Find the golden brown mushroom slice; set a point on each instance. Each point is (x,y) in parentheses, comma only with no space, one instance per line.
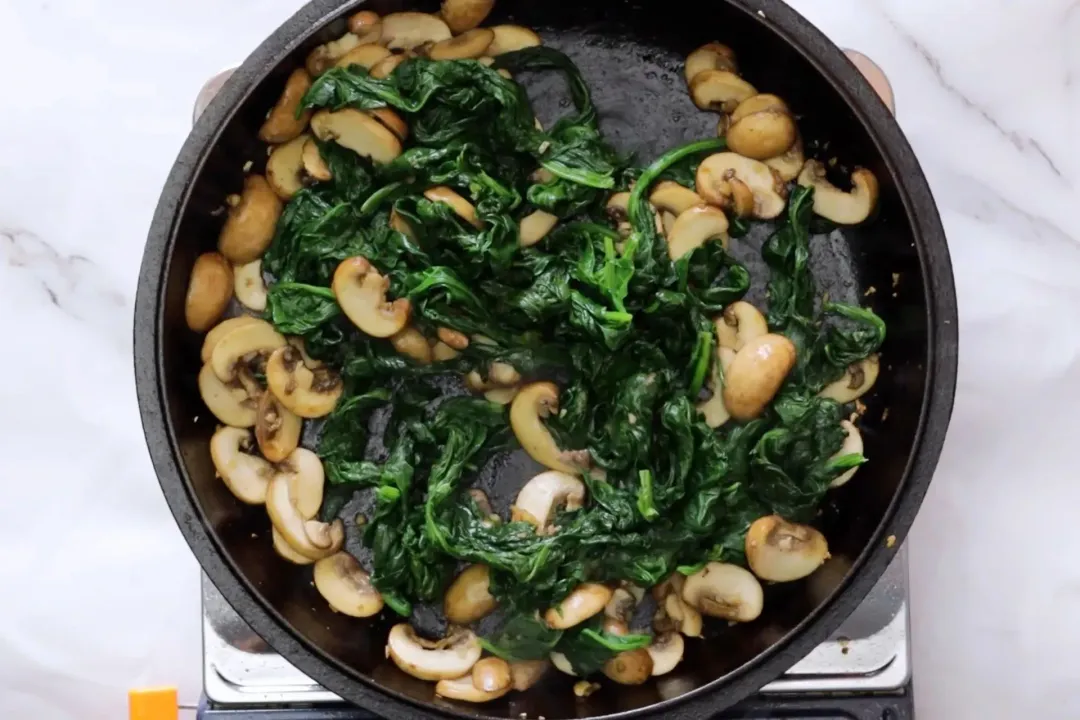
(832,203)
(242,343)
(393,122)
(725,591)
(363,22)
(713,410)
(762,134)
(277,430)
(285,167)
(788,165)
(666,652)
(782,551)
(464,15)
(582,603)
(468,598)
(209,290)
(249,285)
(527,412)
(756,374)
(346,586)
(386,67)
(694,228)
(855,382)
(309,392)
(535,226)
(357,131)
(746,186)
(470,44)
(740,323)
(509,38)
(361,292)
(461,207)
(719,90)
(247,476)
(251,221)
(539,498)
(412,343)
(310,538)
(222,329)
(366,56)
(230,403)
(323,57)
(447,659)
(674,198)
(710,56)
(284,122)
(408,30)
(314,165)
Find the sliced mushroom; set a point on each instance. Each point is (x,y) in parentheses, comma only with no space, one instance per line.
(361,292)
(713,410)
(363,22)
(393,122)
(562,664)
(756,374)
(314,165)
(221,330)
(308,392)
(304,471)
(526,673)
(538,500)
(761,193)
(666,652)
(468,598)
(250,225)
(209,290)
(464,15)
(781,551)
(357,131)
(310,538)
(694,228)
(668,221)
(346,586)
(687,619)
(453,338)
(832,203)
(248,340)
(501,396)
(617,209)
(470,44)
(446,659)
(229,403)
(719,90)
(412,343)
(674,198)
(740,323)
(621,605)
(464,690)
(276,429)
(534,227)
(285,551)
(407,30)
(509,38)
(630,667)
(856,382)
(491,675)
(711,56)
(247,476)
(387,66)
(582,603)
(249,285)
(461,207)
(852,444)
(441,352)
(724,591)
(284,122)
(366,56)
(534,403)
(759,103)
(788,165)
(763,134)
(323,57)
(400,224)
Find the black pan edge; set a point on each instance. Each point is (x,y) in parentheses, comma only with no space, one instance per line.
(941,363)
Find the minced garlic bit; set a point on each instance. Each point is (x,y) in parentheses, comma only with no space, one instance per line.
(895,279)
(870,291)
(247,166)
(890,541)
(584,688)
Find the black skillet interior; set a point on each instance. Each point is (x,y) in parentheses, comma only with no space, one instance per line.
(631,54)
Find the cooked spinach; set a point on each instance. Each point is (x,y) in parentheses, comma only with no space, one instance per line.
(625,331)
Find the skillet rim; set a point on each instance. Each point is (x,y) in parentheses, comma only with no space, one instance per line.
(940,363)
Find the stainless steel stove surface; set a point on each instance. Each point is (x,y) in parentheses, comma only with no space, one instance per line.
(869,656)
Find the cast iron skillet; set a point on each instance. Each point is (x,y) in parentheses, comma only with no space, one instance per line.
(631,53)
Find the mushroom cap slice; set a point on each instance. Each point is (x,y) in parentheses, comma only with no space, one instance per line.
(526,673)
(249,285)
(464,690)
(720,90)
(470,44)
(250,224)
(447,659)
(324,56)
(277,430)
(666,652)
(346,586)
(788,165)
(856,381)
(283,123)
(306,477)
(285,166)
(412,343)
(357,131)
(308,392)
(832,203)
(710,56)
(582,603)
(407,30)
(534,227)
(463,15)
(461,207)
(509,38)
(393,122)
(210,288)
(533,403)
(740,323)
(245,340)
(491,675)
(314,165)
(310,538)
(400,224)
(222,329)
(468,598)
(386,67)
(361,292)
(725,591)
(673,197)
(630,667)
(360,22)
(759,103)
(229,403)
(763,134)
(247,476)
(694,228)
(541,496)
(714,183)
(688,618)
(782,551)
(852,444)
(285,551)
(713,410)
(756,374)
(366,56)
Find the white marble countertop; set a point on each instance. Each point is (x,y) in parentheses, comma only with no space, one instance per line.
(100,591)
